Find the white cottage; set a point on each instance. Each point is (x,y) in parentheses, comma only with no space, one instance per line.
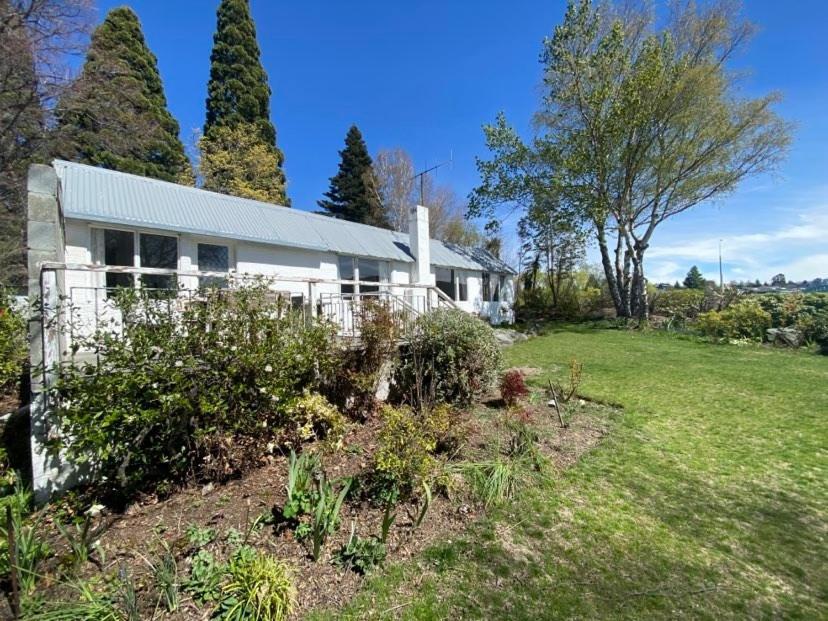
(117,219)
(91,230)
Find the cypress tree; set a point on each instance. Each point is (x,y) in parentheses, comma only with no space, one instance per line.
(116,115)
(238,95)
(353,194)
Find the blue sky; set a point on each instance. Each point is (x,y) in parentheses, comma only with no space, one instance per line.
(427,75)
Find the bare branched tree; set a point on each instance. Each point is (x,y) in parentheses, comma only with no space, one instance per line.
(399,192)
(37,40)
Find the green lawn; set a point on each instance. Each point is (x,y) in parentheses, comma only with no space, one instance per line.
(707,500)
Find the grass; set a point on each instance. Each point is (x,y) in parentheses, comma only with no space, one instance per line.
(706,501)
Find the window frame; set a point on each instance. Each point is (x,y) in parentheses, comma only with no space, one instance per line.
(97,234)
(383,274)
(231,262)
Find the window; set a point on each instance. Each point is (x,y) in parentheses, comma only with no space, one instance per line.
(502,287)
(496,289)
(445,280)
(487,286)
(213,258)
(369,271)
(118,249)
(363,270)
(463,289)
(158,251)
(346,272)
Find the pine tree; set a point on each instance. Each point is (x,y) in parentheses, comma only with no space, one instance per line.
(238,94)
(694,279)
(116,114)
(353,194)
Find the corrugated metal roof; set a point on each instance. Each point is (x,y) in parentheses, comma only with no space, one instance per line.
(100,195)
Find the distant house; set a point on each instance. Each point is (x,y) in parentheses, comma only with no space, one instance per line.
(112,219)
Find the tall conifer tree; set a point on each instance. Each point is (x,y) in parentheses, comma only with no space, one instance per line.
(116,115)
(238,100)
(353,194)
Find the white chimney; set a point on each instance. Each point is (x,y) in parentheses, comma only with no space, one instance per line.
(420,245)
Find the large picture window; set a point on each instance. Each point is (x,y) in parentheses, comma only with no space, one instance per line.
(114,247)
(363,270)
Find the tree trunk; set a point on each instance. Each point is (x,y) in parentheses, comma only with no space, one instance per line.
(609,270)
(642,305)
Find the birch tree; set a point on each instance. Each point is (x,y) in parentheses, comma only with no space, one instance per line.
(640,121)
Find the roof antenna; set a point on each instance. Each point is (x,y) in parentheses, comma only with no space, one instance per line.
(421,175)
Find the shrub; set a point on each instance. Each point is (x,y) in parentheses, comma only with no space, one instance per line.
(745,319)
(259,588)
(452,357)
(13,346)
(175,392)
(315,417)
(820,334)
(513,387)
(681,304)
(404,456)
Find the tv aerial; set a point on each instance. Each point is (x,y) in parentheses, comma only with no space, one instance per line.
(422,174)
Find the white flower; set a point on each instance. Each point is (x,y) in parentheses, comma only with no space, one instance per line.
(94,510)
(263,391)
(268,369)
(179,363)
(233,348)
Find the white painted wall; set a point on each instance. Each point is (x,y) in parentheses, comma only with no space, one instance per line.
(271,261)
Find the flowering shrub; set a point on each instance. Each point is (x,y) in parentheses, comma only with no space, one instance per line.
(453,357)
(169,382)
(513,387)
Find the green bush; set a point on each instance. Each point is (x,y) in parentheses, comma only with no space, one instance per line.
(452,357)
(744,320)
(13,346)
(315,417)
(178,391)
(405,453)
(680,304)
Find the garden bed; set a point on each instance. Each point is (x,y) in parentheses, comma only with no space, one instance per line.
(243,508)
